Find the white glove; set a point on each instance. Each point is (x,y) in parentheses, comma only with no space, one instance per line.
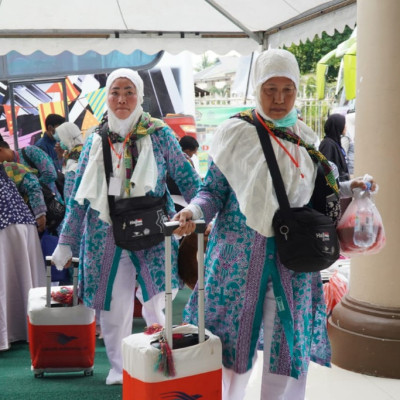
(61,255)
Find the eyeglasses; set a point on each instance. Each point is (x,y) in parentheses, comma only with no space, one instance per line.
(272,91)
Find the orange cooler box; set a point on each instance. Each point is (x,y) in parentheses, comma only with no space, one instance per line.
(198,367)
(61,338)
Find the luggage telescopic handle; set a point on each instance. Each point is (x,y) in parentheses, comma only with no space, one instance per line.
(200,229)
(170,226)
(75,264)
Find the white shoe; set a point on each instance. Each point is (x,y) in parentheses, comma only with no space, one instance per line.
(114,378)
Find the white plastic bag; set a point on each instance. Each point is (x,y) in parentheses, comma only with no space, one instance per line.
(360,230)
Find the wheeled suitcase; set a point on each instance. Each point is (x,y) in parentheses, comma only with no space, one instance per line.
(61,338)
(196,352)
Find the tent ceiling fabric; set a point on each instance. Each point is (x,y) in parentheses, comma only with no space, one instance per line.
(54,26)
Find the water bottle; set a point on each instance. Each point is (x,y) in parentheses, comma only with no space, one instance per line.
(364,232)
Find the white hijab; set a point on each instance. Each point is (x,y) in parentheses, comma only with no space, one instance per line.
(270,64)
(93,186)
(70,135)
(237,152)
(124,126)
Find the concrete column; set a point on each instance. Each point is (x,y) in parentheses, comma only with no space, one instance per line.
(365,326)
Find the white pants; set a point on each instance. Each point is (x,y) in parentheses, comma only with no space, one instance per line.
(21,268)
(116,324)
(152,310)
(273,387)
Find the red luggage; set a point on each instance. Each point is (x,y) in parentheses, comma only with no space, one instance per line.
(61,338)
(196,352)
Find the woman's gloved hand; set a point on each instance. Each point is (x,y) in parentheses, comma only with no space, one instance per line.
(62,256)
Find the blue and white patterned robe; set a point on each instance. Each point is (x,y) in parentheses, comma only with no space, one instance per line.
(239,262)
(98,254)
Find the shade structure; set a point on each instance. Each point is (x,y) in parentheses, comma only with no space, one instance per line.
(102,26)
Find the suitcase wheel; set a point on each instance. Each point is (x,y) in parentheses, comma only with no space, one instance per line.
(39,374)
(88,372)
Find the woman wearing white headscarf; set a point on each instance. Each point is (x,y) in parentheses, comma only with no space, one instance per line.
(247,287)
(143,150)
(69,138)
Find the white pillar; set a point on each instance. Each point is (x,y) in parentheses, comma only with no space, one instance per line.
(365,326)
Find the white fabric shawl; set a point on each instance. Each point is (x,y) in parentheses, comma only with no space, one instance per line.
(93,186)
(237,152)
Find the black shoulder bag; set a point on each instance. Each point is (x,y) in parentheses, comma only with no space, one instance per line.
(306,240)
(55,210)
(137,222)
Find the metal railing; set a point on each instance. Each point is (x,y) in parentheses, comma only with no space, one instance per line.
(312,111)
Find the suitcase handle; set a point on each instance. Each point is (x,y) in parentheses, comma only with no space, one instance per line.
(75,264)
(169,227)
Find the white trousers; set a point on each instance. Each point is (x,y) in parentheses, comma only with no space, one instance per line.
(273,387)
(116,324)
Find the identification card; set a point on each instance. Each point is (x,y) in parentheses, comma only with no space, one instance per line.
(114,187)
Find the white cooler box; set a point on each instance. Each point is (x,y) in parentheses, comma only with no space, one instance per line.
(198,367)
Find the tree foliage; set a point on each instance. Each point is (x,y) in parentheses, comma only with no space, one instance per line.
(310,52)
(205,63)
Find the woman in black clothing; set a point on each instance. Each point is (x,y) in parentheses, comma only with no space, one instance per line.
(331,147)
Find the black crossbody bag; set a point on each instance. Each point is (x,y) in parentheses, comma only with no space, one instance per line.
(306,240)
(137,222)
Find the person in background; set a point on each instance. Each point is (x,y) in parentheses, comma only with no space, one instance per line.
(21,262)
(348,146)
(35,158)
(331,146)
(190,146)
(69,138)
(47,142)
(246,285)
(143,150)
(29,188)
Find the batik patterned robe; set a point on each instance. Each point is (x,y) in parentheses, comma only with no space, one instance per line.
(99,256)
(239,263)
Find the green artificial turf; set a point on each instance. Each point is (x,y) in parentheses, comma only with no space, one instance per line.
(17,381)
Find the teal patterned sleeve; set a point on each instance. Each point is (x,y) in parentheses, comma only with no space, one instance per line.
(43,163)
(30,187)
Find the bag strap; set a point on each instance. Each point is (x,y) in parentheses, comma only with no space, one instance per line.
(107,162)
(272,164)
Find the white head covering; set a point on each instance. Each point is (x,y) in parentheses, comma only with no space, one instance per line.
(270,64)
(248,167)
(69,134)
(123,126)
(93,186)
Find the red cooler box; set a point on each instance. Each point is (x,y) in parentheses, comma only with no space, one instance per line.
(61,338)
(198,366)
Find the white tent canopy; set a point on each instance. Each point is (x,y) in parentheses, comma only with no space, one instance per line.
(54,26)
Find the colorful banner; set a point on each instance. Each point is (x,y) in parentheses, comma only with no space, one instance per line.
(56,107)
(89,121)
(72,91)
(97,101)
(7,111)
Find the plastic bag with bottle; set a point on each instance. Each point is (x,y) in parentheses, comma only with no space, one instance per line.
(360,229)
